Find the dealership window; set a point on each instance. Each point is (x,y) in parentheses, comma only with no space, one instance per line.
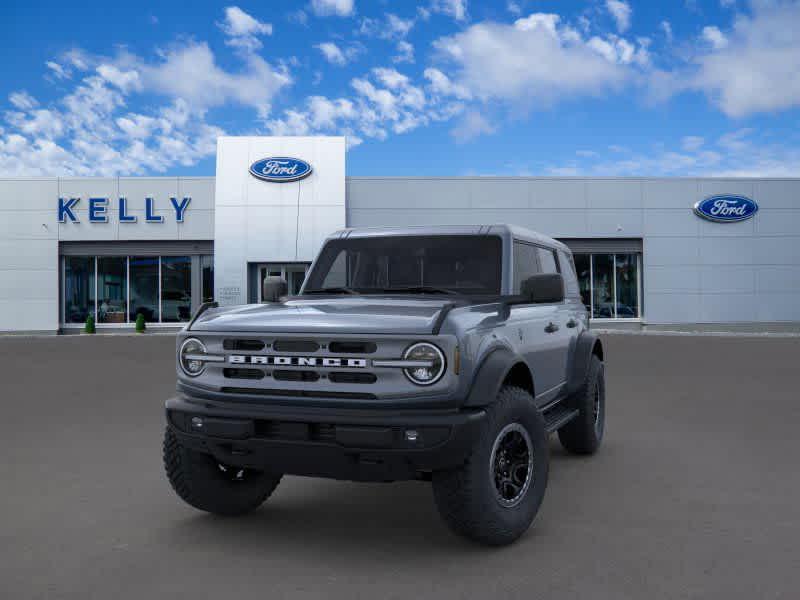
(207,273)
(610,284)
(176,289)
(112,289)
(144,288)
(116,289)
(79,288)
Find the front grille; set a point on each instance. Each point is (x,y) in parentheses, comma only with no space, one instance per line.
(352,377)
(299,393)
(349,347)
(295,346)
(243,373)
(290,430)
(284,375)
(245,345)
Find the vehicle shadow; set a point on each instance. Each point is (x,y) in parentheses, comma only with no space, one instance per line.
(347,519)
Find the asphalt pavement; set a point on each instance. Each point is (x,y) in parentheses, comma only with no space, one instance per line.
(694,494)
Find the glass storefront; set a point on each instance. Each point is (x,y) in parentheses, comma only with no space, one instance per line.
(176,289)
(112,289)
(79,288)
(144,288)
(610,284)
(116,289)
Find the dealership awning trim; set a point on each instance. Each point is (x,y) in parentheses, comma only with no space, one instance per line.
(137,248)
(603,245)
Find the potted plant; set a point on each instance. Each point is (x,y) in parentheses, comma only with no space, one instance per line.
(89,327)
(140,324)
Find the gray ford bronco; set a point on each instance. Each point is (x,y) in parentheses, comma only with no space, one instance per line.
(444,354)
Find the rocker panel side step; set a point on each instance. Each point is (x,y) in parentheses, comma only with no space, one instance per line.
(558,416)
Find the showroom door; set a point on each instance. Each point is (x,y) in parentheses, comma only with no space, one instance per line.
(293,273)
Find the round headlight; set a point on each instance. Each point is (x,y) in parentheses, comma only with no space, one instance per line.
(431,361)
(190,357)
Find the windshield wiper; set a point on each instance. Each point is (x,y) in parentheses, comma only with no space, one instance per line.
(421,289)
(332,290)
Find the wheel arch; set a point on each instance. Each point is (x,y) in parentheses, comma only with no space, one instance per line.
(588,345)
(500,367)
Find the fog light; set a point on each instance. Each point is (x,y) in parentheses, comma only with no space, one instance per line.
(197,422)
(411,435)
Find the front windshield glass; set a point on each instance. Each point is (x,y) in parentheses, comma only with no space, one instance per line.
(442,264)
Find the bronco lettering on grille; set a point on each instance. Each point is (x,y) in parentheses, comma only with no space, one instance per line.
(297,361)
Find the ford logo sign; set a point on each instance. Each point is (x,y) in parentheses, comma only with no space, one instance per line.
(280,169)
(726,209)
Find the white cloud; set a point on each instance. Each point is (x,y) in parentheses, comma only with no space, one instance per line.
(91,130)
(453,8)
(191,72)
(59,71)
(758,70)
(537,60)
(514,8)
(398,27)
(472,124)
(22,100)
(391,27)
(385,101)
(735,154)
(621,11)
(727,3)
(692,143)
(336,55)
(339,8)
(243,29)
(440,84)
(405,53)
(715,37)
(666,27)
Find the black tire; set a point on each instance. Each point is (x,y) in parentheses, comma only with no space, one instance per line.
(584,434)
(201,481)
(468,497)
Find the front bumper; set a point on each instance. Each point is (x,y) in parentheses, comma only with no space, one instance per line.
(363,445)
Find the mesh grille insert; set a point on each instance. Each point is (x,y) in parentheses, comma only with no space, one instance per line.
(295,346)
(243,373)
(246,345)
(351,377)
(283,375)
(348,347)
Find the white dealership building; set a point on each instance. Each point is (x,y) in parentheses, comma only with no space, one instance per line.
(652,252)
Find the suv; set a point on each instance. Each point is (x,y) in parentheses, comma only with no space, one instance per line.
(444,354)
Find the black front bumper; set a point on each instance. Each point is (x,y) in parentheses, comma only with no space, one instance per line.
(362,445)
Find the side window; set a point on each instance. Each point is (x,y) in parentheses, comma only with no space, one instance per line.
(526,263)
(547,260)
(570,276)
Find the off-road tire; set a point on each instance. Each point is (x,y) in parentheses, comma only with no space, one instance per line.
(203,483)
(584,433)
(467,497)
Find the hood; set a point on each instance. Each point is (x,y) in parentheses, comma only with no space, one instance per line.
(355,314)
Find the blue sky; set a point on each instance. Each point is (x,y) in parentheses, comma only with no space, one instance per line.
(438,87)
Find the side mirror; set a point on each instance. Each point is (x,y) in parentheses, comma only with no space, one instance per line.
(273,288)
(543,288)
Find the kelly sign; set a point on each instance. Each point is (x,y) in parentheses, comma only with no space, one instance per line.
(99,208)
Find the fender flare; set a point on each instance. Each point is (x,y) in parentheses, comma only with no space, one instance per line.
(490,376)
(586,346)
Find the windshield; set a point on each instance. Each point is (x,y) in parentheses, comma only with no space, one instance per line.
(443,264)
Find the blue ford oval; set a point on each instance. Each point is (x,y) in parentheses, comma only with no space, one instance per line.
(280,169)
(726,208)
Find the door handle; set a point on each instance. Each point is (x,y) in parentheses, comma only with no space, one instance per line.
(572,323)
(551,327)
